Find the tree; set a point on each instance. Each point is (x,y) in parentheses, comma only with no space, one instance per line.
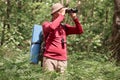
(5,21)
(116,31)
(65,3)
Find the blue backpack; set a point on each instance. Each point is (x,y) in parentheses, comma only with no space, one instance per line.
(37,44)
(36,41)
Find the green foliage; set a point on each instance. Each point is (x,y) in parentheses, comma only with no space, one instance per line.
(96,20)
(81,66)
(88,53)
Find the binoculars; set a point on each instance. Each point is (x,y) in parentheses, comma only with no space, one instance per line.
(71,10)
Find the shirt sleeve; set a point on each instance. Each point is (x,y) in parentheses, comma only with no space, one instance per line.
(51,26)
(54,24)
(77,29)
(48,26)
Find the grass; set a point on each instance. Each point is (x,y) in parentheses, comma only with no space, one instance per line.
(14,65)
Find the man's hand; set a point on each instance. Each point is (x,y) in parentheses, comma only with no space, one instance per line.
(62,11)
(73,15)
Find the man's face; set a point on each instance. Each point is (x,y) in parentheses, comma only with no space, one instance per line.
(56,14)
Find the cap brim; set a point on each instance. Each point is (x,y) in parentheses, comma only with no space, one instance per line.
(56,10)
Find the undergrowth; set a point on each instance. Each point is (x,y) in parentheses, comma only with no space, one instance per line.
(15,65)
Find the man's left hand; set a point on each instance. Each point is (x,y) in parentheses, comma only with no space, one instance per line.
(73,15)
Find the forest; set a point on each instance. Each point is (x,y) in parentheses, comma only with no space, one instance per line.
(94,55)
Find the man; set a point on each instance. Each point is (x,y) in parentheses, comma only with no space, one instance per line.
(55,55)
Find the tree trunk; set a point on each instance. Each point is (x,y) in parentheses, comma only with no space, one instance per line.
(107,16)
(8,13)
(116,32)
(62,2)
(5,21)
(3,34)
(19,8)
(65,3)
